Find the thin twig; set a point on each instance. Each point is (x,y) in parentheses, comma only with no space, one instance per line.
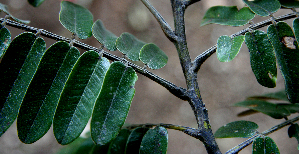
(172,88)
(200,59)
(244,144)
(169,126)
(164,25)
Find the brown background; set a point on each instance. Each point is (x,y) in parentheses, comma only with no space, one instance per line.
(221,84)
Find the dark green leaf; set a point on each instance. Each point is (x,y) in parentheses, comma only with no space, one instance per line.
(153,56)
(262,58)
(154,141)
(293,131)
(270,109)
(263,7)
(40,102)
(118,145)
(72,147)
(104,36)
(5,10)
(76,19)
(84,146)
(227,15)
(242,129)
(287,54)
(289,3)
(17,69)
(292,108)
(36,3)
(134,140)
(113,104)
(264,146)
(78,96)
(228,48)
(5,39)
(129,45)
(280,95)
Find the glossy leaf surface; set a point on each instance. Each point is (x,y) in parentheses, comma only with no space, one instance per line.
(293,131)
(105,37)
(264,146)
(262,58)
(153,56)
(227,15)
(118,145)
(36,3)
(4,9)
(76,19)
(263,7)
(78,96)
(37,110)
(129,45)
(242,129)
(287,54)
(5,39)
(289,3)
(17,69)
(134,140)
(154,141)
(113,104)
(270,109)
(228,48)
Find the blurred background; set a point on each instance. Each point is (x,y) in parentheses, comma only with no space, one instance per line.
(221,84)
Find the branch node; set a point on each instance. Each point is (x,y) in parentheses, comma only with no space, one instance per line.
(39,31)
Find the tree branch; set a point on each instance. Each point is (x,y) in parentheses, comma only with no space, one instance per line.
(244,144)
(204,132)
(164,25)
(172,88)
(200,59)
(190,2)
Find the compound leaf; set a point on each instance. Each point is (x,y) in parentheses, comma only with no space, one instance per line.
(262,58)
(153,56)
(270,109)
(129,45)
(154,141)
(242,129)
(17,69)
(5,39)
(287,53)
(78,96)
(76,19)
(104,36)
(263,7)
(37,110)
(228,48)
(227,15)
(264,146)
(113,104)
